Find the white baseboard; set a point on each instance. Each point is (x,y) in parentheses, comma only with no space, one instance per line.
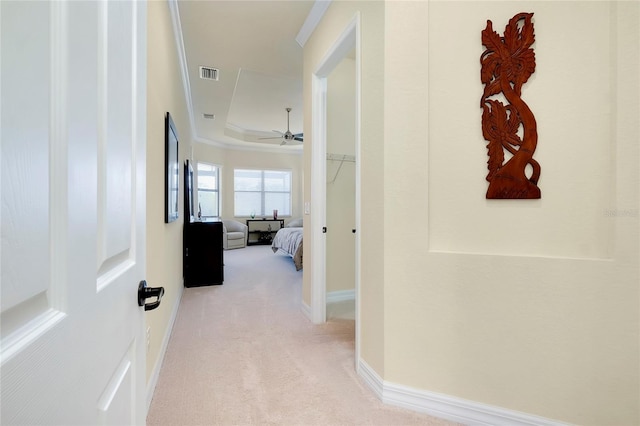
(306,310)
(445,406)
(155,373)
(371,378)
(341,296)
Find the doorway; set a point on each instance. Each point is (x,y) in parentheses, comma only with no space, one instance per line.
(348,44)
(340,192)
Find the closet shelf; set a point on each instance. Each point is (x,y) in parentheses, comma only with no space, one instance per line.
(341,157)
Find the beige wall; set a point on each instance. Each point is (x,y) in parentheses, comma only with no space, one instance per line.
(526,305)
(230,159)
(164,241)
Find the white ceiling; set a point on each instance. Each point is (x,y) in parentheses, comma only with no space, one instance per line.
(253,44)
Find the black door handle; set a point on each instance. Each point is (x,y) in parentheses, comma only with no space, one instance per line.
(145,292)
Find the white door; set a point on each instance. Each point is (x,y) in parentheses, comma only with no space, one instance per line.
(73,207)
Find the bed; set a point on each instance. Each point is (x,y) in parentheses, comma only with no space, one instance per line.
(289,241)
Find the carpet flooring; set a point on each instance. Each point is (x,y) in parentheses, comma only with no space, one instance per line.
(242,353)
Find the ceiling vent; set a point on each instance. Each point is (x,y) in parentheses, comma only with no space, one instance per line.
(208,73)
(209,116)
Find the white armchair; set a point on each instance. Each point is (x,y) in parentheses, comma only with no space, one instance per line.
(234,234)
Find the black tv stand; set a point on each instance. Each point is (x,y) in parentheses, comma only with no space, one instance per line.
(203,254)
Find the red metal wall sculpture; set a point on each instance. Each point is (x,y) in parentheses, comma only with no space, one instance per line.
(507,63)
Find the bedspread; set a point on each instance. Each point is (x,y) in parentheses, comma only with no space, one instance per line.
(289,241)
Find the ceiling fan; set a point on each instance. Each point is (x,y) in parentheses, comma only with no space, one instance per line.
(288,136)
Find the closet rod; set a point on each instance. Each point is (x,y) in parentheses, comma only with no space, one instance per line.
(341,157)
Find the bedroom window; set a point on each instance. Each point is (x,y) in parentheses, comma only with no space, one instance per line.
(209,190)
(260,192)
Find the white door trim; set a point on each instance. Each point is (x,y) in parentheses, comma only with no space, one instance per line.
(348,40)
(319,198)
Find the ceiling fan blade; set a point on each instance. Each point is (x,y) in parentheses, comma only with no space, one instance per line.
(286,136)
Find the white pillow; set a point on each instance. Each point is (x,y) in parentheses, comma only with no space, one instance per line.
(295,223)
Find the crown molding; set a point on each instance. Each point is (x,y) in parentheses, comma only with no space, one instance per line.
(252,146)
(182,60)
(243,133)
(312,21)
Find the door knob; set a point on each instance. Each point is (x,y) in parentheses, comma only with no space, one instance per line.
(145,292)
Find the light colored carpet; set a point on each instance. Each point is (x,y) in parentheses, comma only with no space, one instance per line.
(244,354)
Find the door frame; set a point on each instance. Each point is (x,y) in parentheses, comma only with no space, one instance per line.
(345,43)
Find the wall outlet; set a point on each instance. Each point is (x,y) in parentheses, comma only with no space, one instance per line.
(307,207)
